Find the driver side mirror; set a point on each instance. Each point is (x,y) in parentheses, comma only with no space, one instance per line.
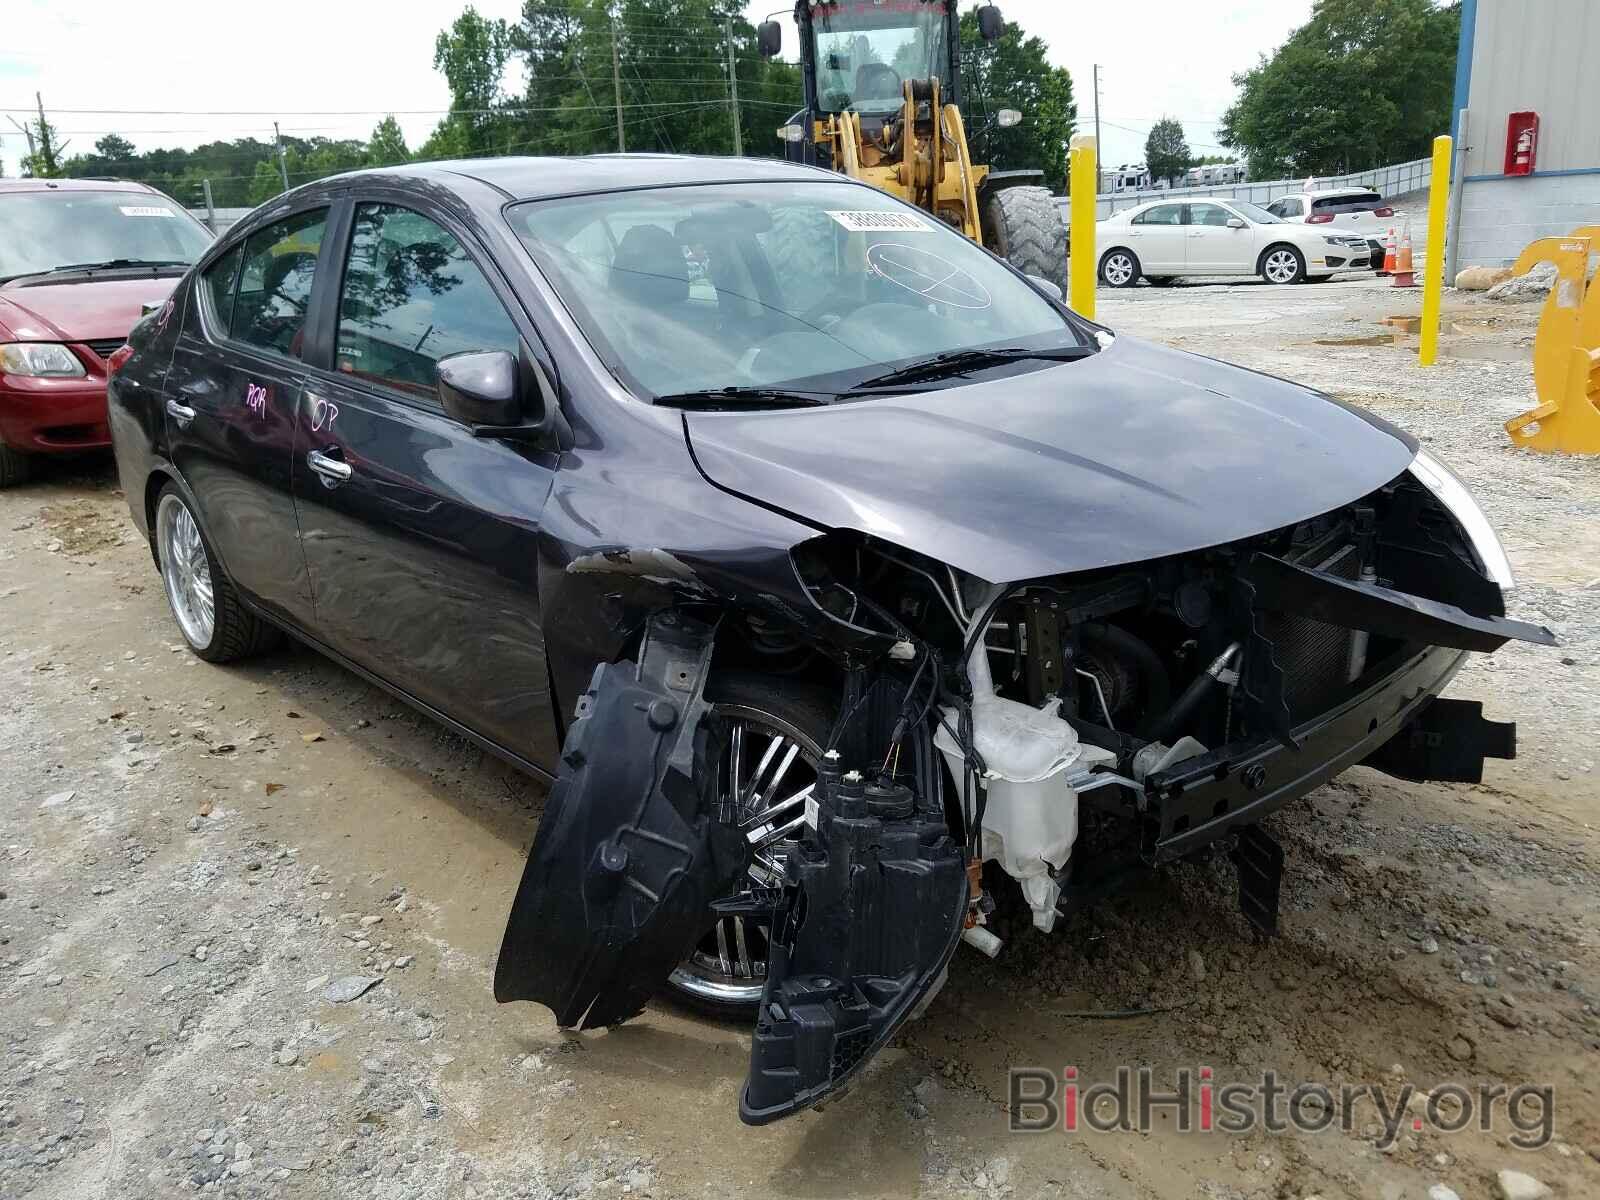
(1236,223)
(497,394)
(769,38)
(990,23)
(1049,287)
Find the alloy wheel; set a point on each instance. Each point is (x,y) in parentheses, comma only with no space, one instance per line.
(766,776)
(1282,266)
(185,571)
(1118,270)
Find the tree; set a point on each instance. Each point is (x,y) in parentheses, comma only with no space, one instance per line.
(43,160)
(265,183)
(1166,152)
(114,148)
(1362,83)
(1014,72)
(472,54)
(387,146)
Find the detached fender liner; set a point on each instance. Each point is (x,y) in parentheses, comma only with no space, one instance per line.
(630,855)
(873,907)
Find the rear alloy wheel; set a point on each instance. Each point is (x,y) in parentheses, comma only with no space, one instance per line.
(1283,264)
(1119,269)
(768,770)
(209,613)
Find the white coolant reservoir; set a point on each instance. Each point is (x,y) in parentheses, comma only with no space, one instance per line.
(1030,818)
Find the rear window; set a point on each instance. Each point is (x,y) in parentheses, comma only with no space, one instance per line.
(1359,202)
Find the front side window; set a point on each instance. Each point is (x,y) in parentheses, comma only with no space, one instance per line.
(866,50)
(1208,214)
(1161,214)
(51,230)
(274,293)
(808,286)
(411,297)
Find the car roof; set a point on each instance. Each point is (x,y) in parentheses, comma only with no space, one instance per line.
(75,185)
(528,178)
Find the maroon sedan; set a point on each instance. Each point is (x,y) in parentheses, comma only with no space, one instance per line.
(80,260)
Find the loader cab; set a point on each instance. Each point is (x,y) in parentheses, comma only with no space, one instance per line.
(856,56)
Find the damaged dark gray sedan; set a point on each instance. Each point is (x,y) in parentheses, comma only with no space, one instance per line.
(818,557)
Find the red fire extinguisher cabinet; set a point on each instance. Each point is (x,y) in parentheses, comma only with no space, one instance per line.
(1522,142)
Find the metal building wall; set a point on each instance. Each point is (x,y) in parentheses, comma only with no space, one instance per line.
(1517,55)
(1541,55)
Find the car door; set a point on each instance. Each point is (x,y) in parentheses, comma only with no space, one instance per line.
(236,379)
(1156,236)
(421,539)
(1213,247)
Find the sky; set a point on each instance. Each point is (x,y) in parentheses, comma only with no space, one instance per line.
(225,69)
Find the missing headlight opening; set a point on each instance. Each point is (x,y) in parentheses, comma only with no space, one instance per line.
(1095,725)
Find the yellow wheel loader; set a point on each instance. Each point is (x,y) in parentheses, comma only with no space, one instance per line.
(883,105)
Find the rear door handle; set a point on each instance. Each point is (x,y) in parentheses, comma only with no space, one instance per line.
(181,413)
(332,471)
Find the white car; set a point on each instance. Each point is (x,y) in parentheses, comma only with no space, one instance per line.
(1166,239)
(1351,210)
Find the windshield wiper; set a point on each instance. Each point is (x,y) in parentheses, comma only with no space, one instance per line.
(116,262)
(711,399)
(956,362)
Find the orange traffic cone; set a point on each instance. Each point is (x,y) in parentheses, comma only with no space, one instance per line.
(1405,275)
(1388,253)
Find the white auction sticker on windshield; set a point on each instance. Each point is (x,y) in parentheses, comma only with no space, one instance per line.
(880,222)
(144,210)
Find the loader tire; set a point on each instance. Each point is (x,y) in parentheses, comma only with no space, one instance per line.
(1024,226)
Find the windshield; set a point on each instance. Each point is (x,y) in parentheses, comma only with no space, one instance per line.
(865,49)
(1256,213)
(45,229)
(802,286)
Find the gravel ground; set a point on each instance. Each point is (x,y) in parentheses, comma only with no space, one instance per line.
(248,916)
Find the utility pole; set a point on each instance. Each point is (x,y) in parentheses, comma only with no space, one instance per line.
(733,102)
(616,86)
(283,162)
(211,208)
(1097,118)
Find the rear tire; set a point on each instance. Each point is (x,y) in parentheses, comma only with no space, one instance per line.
(804,715)
(1023,225)
(1119,268)
(15,466)
(213,620)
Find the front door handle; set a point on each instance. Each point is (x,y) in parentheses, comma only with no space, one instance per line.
(181,413)
(332,471)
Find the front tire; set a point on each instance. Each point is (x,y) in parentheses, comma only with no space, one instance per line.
(211,617)
(15,466)
(1119,268)
(1283,265)
(776,735)
(1023,225)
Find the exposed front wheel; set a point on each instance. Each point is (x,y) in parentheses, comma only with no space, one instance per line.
(1023,225)
(1283,264)
(209,613)
(775,737)
(1119,269)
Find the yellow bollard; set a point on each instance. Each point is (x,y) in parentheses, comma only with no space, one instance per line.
(1084,179)
(1433,268)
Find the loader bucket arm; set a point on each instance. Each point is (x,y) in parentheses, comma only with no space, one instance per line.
(1566,352)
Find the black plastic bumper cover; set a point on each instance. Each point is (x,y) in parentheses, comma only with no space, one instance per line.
(872,910)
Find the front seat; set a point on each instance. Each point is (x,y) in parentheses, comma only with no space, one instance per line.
(649,268)
(877,81)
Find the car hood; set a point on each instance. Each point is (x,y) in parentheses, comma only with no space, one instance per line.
(78,312)
(1134,453)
